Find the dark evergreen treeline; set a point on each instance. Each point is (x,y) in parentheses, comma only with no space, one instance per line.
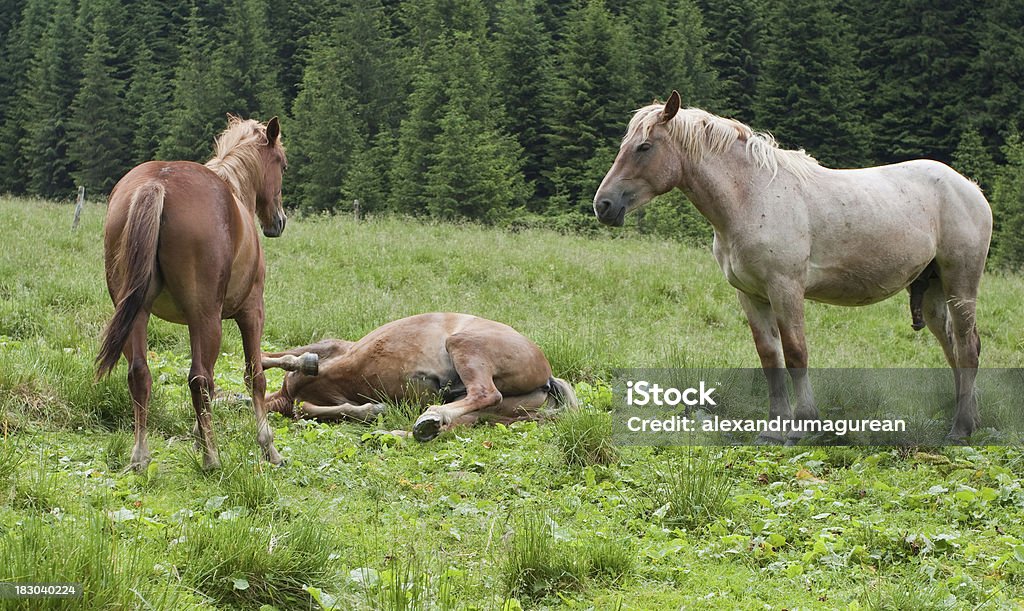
(488,109)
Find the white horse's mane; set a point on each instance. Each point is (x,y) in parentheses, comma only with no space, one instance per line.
(699,132)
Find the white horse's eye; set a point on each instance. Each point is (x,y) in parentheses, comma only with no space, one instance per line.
(643,146)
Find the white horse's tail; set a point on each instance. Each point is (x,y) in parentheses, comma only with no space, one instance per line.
(563,394)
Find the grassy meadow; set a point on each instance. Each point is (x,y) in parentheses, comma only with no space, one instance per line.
(545,515)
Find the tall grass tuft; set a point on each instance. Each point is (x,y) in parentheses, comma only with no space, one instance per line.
(249,561)
(113,571)
(693,492)
(249,484)
(584,437)
(11,458)
(38,489)
(536,563)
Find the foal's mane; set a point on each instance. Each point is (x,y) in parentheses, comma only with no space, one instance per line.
(236,158)
(699,132)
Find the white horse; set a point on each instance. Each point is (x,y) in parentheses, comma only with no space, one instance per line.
(788,229)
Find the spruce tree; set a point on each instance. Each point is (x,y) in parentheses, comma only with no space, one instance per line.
(735,53)
(1008,207)
(671,38)
(431,28)
(244,73)
(809,95)
(15,113)
(522,69)
(196,114)
(917,56)
(995,80)
(474,168)
(52,82)
(594,93)
(98,138)
(148,97)
(971,158)
(324,132)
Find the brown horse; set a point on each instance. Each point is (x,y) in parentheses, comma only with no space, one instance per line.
(180,242)
(482,369)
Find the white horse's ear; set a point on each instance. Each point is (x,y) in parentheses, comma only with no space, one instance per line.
(671,107)
(273,130)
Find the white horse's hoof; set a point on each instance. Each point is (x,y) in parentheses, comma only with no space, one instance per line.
(768,440)
(427,427)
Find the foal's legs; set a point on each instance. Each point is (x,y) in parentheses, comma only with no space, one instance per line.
(140,383)
(204,335)
(476,374)
(364,412)
(509,409)
(250,324)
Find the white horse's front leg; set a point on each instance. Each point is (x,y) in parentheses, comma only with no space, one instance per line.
(769,348)
(788,306)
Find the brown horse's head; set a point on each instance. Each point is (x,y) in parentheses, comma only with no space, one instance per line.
(647,166)
(269,207)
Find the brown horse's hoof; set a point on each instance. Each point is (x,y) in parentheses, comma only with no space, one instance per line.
(427,427)
(309,364)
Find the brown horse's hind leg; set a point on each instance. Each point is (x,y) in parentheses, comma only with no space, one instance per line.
(476,372)
(250,323)
(140,383)
(205,339)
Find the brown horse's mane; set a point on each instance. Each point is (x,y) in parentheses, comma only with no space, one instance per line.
(236,157)
(699,132)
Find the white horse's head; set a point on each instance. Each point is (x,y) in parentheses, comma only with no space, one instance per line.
(648,164)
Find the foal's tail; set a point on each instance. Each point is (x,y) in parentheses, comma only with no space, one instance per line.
(137,256)
(563,394)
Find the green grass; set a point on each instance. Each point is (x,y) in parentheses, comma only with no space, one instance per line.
(358,520)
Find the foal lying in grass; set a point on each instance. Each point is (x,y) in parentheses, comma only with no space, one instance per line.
(480,368)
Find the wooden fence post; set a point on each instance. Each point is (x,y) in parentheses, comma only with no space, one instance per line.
(78,208)
(355,208)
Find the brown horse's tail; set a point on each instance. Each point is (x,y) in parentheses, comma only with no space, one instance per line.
(137,258)
(563,394)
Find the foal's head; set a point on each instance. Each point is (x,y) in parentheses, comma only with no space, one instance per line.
(648,164)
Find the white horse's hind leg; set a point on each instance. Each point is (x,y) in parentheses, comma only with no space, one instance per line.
(934,310)
(967,348)
(769,348)
(962,344)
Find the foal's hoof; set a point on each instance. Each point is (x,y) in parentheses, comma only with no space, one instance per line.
(427,427)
